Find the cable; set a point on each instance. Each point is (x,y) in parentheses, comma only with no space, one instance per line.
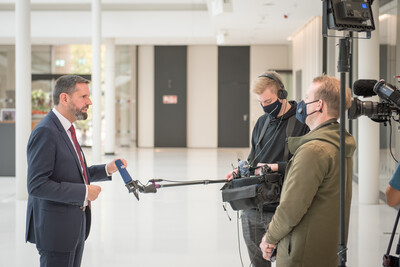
(390,142)
(273,135)
(227,214)
(257,155)
(238,236)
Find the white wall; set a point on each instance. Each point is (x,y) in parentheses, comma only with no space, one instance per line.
(202,96)
(307,53)
(202,90)
(145,100)
(263,58)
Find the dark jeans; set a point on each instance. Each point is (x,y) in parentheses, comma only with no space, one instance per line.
(65,259)
(254,223)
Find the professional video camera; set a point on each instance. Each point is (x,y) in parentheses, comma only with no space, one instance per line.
(379,112)
(376,111)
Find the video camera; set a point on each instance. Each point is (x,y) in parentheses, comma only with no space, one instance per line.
(376,111)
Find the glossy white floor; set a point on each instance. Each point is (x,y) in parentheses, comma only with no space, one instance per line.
(177,226)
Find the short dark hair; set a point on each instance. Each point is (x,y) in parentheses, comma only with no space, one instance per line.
(66,84)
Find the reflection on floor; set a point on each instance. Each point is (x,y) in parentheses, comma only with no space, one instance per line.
(177,226)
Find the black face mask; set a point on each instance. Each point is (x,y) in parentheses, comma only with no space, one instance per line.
(273,108)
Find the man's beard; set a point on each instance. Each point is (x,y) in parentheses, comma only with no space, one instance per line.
(79,115)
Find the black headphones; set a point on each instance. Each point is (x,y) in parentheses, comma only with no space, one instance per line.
(282,93)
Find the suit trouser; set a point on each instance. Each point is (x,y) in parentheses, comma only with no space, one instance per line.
(254,224)
(65,259)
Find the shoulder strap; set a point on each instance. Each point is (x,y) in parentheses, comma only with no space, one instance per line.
(260,137)
(264,129)
(289,132)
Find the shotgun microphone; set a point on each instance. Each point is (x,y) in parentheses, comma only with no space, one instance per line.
(364,87)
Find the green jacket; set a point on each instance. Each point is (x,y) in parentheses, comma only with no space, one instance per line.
(306,223)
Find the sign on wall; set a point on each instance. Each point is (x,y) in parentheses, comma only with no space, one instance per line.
(170,99)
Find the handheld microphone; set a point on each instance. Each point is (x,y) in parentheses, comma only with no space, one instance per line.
(364,87)
(132,185)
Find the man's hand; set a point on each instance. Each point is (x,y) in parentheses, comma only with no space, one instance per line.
(93,192)
(229,176)
(266,249)
(111,167)
(274,167)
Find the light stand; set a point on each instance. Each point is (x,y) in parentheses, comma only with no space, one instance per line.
(343,67)
(345,15)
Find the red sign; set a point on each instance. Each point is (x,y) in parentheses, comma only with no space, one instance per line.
(170,99)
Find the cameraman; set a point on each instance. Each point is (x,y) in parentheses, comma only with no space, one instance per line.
(268,145)
(306,222)
(393,189)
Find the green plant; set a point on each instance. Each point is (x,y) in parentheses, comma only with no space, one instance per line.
(40,100)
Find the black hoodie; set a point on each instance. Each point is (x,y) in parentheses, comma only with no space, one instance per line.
(272,146)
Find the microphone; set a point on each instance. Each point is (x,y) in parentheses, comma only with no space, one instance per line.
(364,87)
(132,185)
(155,180)
(151,188)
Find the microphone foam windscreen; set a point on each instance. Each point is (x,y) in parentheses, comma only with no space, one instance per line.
(364,87)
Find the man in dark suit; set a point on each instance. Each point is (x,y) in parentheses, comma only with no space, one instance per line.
(59,210)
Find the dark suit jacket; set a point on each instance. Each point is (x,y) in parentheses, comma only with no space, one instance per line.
(56,188)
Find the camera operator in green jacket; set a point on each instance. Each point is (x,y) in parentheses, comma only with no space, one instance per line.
(306,223)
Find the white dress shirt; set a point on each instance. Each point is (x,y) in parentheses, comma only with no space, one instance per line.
(66,125)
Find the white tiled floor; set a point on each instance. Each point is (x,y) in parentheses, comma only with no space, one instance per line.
(177,226)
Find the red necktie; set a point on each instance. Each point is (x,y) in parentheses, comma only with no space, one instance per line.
(78,151)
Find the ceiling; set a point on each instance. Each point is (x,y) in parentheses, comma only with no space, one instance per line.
(233,21)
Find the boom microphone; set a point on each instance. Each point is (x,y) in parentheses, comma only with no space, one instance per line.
(364,87)
(151,188)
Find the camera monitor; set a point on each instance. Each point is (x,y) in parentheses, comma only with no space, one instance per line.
(349,15)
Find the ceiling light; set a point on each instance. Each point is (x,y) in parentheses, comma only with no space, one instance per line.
(220,6)
(383,17)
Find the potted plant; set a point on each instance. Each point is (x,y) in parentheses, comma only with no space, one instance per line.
(40,103)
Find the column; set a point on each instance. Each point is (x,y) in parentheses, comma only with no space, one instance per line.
(109,97)
(22,94)
(368,130)
(96,80)
(146,96)
(124,118)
